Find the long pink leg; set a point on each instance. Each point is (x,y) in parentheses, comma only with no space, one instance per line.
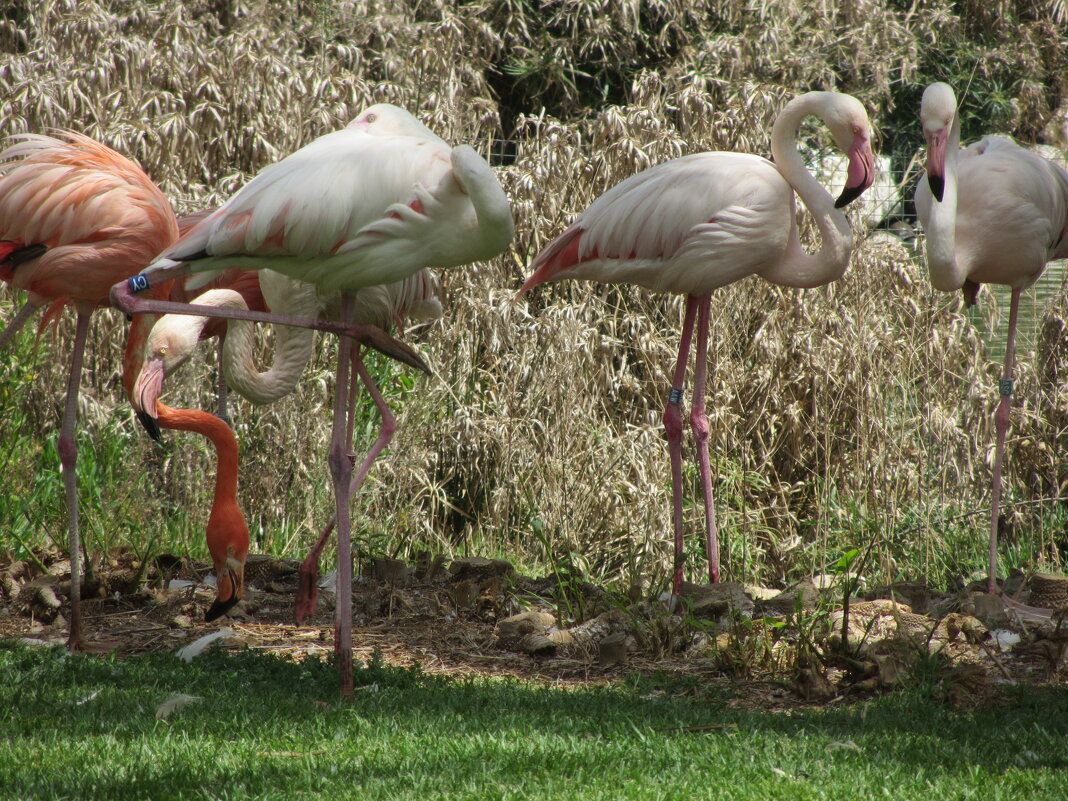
(16,322)
(125,298)
(1001,427)
(673,433)
(341,472)
(308,588)
(68,459)
(699,424)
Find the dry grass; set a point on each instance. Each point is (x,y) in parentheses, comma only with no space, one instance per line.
(839,416)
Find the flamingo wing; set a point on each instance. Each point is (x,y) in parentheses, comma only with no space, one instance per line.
(688,225)
(344,191)
(92,213)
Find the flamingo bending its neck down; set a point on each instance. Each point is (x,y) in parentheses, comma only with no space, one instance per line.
(371,204)
(992,213)
(174,338)
(227,531)
(75,217)
(703,221)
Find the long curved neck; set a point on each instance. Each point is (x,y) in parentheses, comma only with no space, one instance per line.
(798,268)
(941,228)
(293,347)
(221,436)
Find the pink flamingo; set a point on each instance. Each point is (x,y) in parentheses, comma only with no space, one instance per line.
(370,204)
(174,338)
(703,221)
(75,217)
(992,213)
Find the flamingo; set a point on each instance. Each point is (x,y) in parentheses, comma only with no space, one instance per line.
(174,338)
(702,221)
(370,204)
(75,217)
(992,213)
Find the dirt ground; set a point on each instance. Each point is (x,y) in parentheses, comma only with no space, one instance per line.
(760,648)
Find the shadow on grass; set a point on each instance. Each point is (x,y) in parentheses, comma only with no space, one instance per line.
(261,722)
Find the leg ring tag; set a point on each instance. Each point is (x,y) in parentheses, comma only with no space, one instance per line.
(1005,386)
(675,396)
(138,283)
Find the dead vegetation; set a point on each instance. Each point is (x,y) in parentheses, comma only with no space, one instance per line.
(854,415)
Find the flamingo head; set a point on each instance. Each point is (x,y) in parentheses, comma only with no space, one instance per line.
(170,343)
(385,119)
(228,545)
(938,113)
(848,123)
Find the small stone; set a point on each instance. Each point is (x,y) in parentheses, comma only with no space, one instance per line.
(391,571)
(514,628)
(480,566)
(612,650)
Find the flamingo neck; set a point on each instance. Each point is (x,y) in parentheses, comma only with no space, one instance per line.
(221,437)
(946,271)
(134,355)
(798,268)
(293,347)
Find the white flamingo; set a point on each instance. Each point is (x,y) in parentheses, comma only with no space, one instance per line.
(992,213)
(703,221)
(371,204)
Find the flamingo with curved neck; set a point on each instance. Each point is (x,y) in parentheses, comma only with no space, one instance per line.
(174,338)
(703,221)
(993,213)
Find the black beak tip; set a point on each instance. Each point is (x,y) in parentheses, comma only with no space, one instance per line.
(938,186)
(220,608)
(849,194)
(151,425)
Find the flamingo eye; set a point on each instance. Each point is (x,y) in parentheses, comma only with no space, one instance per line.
(372,117)
(163,351)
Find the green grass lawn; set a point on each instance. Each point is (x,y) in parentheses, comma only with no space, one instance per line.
(86,727)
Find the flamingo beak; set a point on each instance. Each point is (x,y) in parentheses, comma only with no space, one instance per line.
(861,171)
(146,391)
(936,161)
(230,575)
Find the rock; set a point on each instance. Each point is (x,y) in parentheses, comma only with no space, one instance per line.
(715,600)
(916,595)
(391,571)
(514,628)
(612,650)
(802,595)
(991,609)
(463,593)
(479,567)
(758,593)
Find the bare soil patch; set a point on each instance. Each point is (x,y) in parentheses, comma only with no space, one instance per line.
(753,647)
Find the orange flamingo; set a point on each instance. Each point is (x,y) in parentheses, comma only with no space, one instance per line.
(174,338)
(75,217)
(703,221)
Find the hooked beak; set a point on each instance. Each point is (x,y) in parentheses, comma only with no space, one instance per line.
(936,161)
(146,392)
(861,171)
(230,576)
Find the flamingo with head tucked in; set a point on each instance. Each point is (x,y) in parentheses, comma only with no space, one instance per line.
(992,213)
(703,221)
(371,204)
(75,217)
